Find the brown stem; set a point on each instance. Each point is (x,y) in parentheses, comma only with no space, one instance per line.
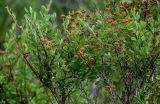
(126,97)
(63,99)
(53,91)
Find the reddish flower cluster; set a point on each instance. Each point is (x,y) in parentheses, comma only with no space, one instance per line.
(2,52)
(45,41)
(81,51)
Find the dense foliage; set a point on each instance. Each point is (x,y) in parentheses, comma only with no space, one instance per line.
(58,6)
(115,51)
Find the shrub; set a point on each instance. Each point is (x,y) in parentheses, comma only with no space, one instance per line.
(119,44)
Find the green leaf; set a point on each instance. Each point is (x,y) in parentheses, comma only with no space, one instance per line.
(86,26)
(133,38)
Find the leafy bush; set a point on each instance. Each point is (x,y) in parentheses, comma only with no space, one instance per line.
(120,45)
